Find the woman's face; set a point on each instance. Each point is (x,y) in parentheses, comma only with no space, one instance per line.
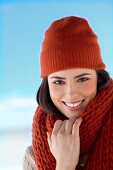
(72,90)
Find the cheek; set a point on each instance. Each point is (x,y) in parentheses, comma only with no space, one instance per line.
(89,88)
(55,92)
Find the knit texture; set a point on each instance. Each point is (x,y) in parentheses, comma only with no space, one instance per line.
(29,160)
(70,43)
(96,134)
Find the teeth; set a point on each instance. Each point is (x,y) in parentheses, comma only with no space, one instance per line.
(73,104)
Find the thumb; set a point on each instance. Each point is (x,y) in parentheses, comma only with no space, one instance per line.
(49,139)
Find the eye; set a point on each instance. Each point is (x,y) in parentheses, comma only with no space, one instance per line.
(83,79)
(59,82)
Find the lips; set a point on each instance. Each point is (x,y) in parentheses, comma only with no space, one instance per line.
(73,105)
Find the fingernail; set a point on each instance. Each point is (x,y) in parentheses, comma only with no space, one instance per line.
(79,120)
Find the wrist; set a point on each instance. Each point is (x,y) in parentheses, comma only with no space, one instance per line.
(60,166)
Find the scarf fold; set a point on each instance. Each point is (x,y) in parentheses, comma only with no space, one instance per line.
(96,134)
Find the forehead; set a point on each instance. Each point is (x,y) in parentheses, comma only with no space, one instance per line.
(74,72)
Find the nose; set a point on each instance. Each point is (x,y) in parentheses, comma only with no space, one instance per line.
(72,90)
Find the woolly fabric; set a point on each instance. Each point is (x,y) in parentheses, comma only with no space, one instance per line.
(70,43)
(96,134)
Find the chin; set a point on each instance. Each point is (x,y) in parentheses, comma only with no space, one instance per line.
(72,114)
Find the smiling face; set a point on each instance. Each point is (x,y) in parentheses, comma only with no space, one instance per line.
(72,90)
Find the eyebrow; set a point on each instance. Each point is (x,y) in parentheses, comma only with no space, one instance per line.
(63,78)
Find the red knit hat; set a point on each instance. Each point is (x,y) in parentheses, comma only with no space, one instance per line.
(70,43)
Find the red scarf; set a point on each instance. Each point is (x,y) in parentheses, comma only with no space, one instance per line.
(96,134)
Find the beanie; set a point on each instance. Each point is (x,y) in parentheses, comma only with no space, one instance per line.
(70,43)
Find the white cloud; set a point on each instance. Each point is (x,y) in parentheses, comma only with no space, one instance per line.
(16,102)
(17,112)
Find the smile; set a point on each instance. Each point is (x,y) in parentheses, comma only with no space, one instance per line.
(73,105)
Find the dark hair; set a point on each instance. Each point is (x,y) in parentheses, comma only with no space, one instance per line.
(44,99)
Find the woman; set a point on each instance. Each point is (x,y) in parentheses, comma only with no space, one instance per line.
(73,124)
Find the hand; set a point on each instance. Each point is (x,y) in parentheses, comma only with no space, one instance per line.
(64,142)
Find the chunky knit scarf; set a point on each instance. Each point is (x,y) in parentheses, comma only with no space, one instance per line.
(96,134)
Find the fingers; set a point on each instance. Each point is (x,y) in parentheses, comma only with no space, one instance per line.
(49,139)
(57,126)
(76,125)
(62,128)
(68,126)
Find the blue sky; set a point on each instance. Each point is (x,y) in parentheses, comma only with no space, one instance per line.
(22,24)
